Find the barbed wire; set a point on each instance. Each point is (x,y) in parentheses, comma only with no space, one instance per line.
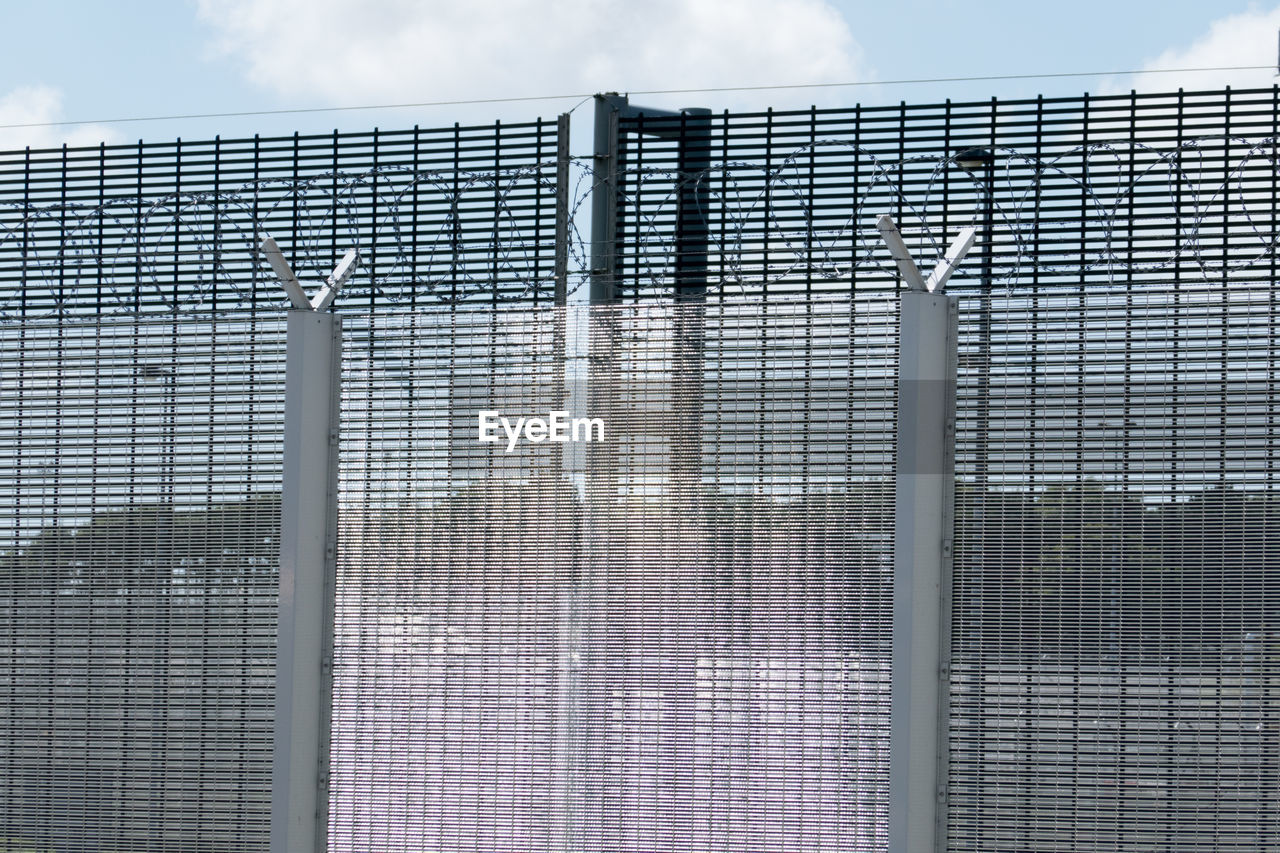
(1138,211)
(1100,212)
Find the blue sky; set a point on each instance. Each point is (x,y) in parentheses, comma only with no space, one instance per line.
(82,60)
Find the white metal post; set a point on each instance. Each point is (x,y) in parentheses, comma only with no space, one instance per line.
(923,511)
(922,560)
(308,559)
(304,652)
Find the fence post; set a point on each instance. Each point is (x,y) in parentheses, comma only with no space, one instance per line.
(563,213)
(308,559)
(308,541)
(604,200)
(924,495)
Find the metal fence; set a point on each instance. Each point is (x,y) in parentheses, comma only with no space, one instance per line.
(441,214)
(1068,192)
(678,637)
(141,518)
(1115,658)
(1077,192)
(675,636)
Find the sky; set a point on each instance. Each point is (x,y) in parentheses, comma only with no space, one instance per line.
(104,63)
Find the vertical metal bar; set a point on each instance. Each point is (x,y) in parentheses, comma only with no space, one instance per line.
(217,224)
(633,247)
(560,295)
(810,204)
(1176,441)
(590,661)
(335,170)
(308,542)
(177,229)
(562,210)
(62,229)
(924,496)
(1225,304)
(900,205)
(456,247)
(722,227)
(370,262)
(566,820)
(693,201)
(1273,306)
(417,216)
(495,236)
(254,295)
(680,777)
(1035,390)
(768,212)
(603,323)
(139,201)
(296,235)
(604,200)
(987,242)
(689,346)
(947,152)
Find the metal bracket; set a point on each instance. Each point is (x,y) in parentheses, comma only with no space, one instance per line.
(937,280)
(328,291)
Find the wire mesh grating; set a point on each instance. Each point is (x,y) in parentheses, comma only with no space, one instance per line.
(1117,453)
(627,644)
(138,578)
(446,214)
(1117,592)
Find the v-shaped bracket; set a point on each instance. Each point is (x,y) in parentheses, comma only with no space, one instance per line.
(907,266)
(328,291)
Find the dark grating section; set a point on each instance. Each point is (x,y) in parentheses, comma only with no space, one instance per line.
(448,214)
(139,546)
(1116,605)
(1079,192)
(676,638)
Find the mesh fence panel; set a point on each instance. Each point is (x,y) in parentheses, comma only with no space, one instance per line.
(1078,192)
(140,441)
(448,611)
(675,638)
(443,214)
(1116,605)
(1113,685)
(138,573)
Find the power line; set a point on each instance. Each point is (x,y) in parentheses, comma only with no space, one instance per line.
(247,113)
(956,79)
(583,97)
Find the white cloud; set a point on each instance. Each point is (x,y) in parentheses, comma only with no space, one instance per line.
(38,107)
(1247,38)
(380,51)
